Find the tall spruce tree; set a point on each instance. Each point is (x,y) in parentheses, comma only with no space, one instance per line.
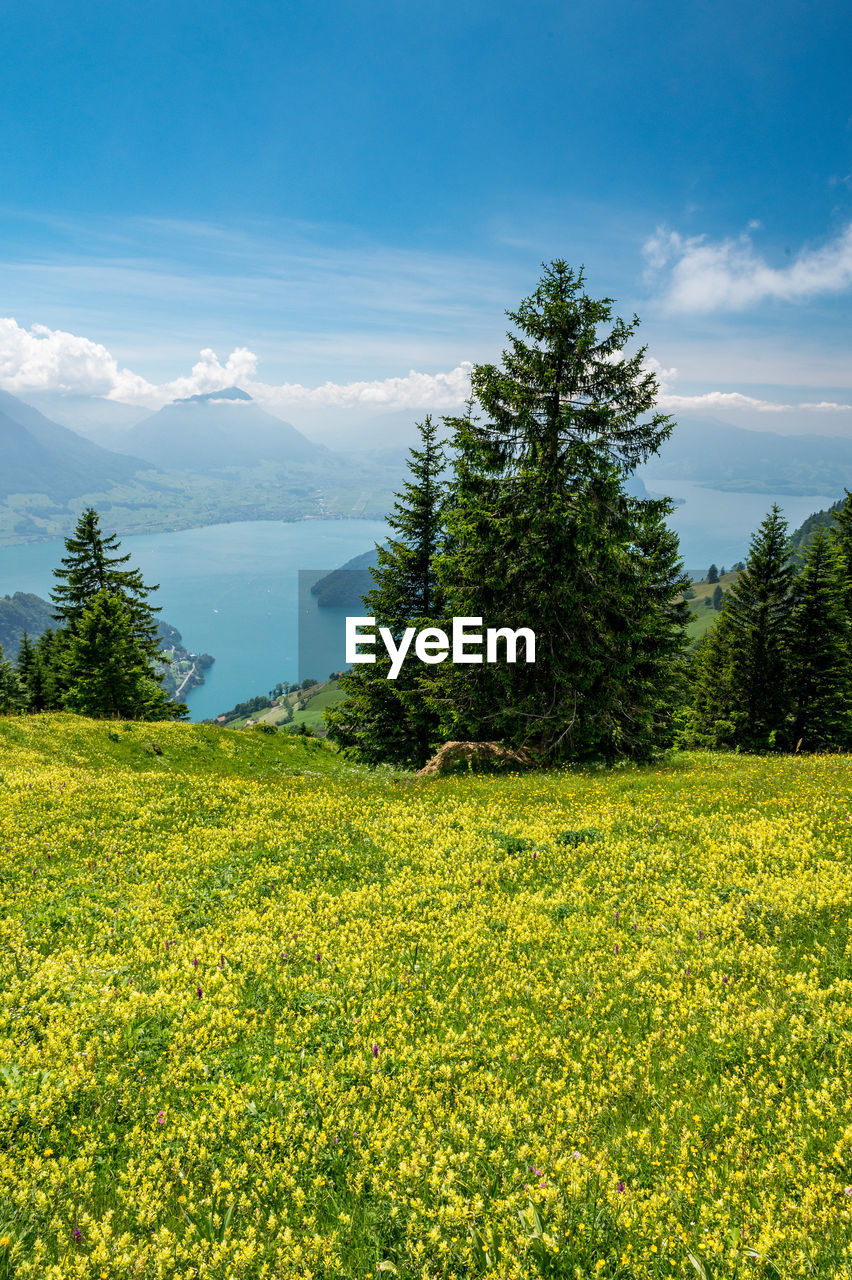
(389,720)
(742,685)
(542,534)
(820,650)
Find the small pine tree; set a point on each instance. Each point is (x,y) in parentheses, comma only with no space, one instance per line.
(49,671)
(714,694)
(389,720)
(741,694)
(96,589)
(28,673)
(90,567)
(718,598)
(841,537)
(712,574)
(820,649)
(12,697)
(108,670)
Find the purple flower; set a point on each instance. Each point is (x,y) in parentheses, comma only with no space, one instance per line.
(725,979)
(195,962)
(617,915)
(535,854)
(620,1186)
(77,1233)
(319,957)
(221,962)
(375,1051)
(616,948)
(199,992)
(700,933)
(161,1117)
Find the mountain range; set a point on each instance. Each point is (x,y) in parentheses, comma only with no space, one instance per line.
(721,456)
(219,456)
(208,459)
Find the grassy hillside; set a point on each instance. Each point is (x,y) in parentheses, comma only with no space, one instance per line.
(703,614)
(266,1015)
(306,706)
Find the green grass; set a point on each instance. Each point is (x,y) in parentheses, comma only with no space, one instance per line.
(317,698)
(267,1016)
(704,616)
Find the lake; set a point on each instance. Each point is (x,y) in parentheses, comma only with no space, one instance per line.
(715,526)
(232,590)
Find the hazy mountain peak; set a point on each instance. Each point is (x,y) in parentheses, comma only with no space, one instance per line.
(228,393)
(218,429)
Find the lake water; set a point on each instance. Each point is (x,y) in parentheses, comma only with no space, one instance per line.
(232,590)
(715,526)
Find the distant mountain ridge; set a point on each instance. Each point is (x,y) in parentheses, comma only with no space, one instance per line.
(22,612)
(39,456)
(720,456)
(204,397)
(219,429)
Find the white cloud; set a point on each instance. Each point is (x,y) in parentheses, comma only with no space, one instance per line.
(209,374)
(42,359)
(715,401)
(414,391)
(730,275)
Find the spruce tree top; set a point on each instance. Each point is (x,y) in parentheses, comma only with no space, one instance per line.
(91,566)
(567,388)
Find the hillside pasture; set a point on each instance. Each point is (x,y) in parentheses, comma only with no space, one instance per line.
(269,1015)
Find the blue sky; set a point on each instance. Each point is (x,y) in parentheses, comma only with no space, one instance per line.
(352,192)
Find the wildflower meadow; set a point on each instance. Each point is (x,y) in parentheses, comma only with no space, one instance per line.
(266,1014)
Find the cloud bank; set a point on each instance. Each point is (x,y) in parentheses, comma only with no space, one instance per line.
(730,275)
(43,359)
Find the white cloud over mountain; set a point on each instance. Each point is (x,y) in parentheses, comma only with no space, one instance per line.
(43,359)
(730,275)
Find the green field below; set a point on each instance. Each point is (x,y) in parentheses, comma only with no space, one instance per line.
(703,615)
(266,1014)
(306,706)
